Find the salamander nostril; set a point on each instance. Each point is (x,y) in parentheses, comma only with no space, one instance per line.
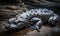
(7,26)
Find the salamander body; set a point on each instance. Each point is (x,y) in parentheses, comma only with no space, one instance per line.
(33,19)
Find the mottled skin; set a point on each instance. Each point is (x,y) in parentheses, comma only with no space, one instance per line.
(33,19)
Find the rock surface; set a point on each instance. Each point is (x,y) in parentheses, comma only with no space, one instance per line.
(9,11)
(44,31)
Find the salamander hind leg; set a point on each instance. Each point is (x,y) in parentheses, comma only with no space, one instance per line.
(53,20)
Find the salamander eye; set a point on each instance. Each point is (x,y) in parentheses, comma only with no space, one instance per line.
(15,22)
(19,21)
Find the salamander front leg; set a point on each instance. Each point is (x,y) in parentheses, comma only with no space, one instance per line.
(37,24)
(36,27)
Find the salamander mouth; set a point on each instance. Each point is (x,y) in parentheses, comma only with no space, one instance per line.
(11,27)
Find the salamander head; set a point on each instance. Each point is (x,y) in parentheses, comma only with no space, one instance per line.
(13,25)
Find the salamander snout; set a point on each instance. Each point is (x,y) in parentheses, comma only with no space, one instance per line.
(11,26)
